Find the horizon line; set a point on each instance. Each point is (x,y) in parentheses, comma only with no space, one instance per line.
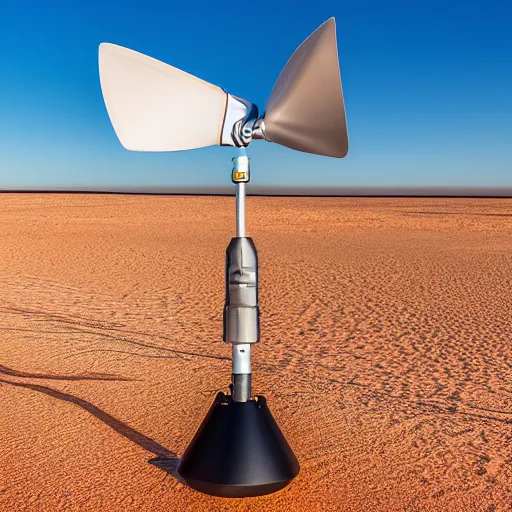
(280,191)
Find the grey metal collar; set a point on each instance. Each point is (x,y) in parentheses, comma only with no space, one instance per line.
(238,122)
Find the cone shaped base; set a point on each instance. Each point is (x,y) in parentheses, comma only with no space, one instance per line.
(238,451)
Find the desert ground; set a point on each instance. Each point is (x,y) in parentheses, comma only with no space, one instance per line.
(385,356)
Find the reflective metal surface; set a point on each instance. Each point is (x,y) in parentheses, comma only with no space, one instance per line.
(306,110)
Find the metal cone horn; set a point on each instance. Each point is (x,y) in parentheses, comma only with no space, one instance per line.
(306,111)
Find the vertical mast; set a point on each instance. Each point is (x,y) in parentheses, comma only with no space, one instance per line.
(241,313)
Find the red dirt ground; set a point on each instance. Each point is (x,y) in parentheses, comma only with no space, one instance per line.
(386,352)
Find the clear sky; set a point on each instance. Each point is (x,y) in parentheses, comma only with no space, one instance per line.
(427,85)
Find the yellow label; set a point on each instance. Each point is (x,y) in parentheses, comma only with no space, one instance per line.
(239,175)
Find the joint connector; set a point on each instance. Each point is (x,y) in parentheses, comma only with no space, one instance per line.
(241,169)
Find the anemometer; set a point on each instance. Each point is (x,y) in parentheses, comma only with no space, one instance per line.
(238,450)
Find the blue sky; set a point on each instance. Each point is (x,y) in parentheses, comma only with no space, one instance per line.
(427,87)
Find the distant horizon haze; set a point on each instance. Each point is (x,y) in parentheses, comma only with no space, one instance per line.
(453,192)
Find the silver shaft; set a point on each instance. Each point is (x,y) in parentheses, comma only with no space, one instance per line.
(240,210)
(241,352)
(241,358)
(241,373)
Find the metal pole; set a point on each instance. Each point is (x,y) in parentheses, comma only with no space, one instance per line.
(241,372)
(244,277)
(241,353)
(240,210)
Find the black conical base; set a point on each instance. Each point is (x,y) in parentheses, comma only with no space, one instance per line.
(238,451)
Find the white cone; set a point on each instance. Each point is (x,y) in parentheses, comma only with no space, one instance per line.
(157,107)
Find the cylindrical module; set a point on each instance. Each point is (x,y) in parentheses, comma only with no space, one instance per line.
(241,311)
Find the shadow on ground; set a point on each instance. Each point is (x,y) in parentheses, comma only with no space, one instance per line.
(166,459)
(88,376)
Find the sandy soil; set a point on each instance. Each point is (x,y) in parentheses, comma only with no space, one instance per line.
(386,350)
